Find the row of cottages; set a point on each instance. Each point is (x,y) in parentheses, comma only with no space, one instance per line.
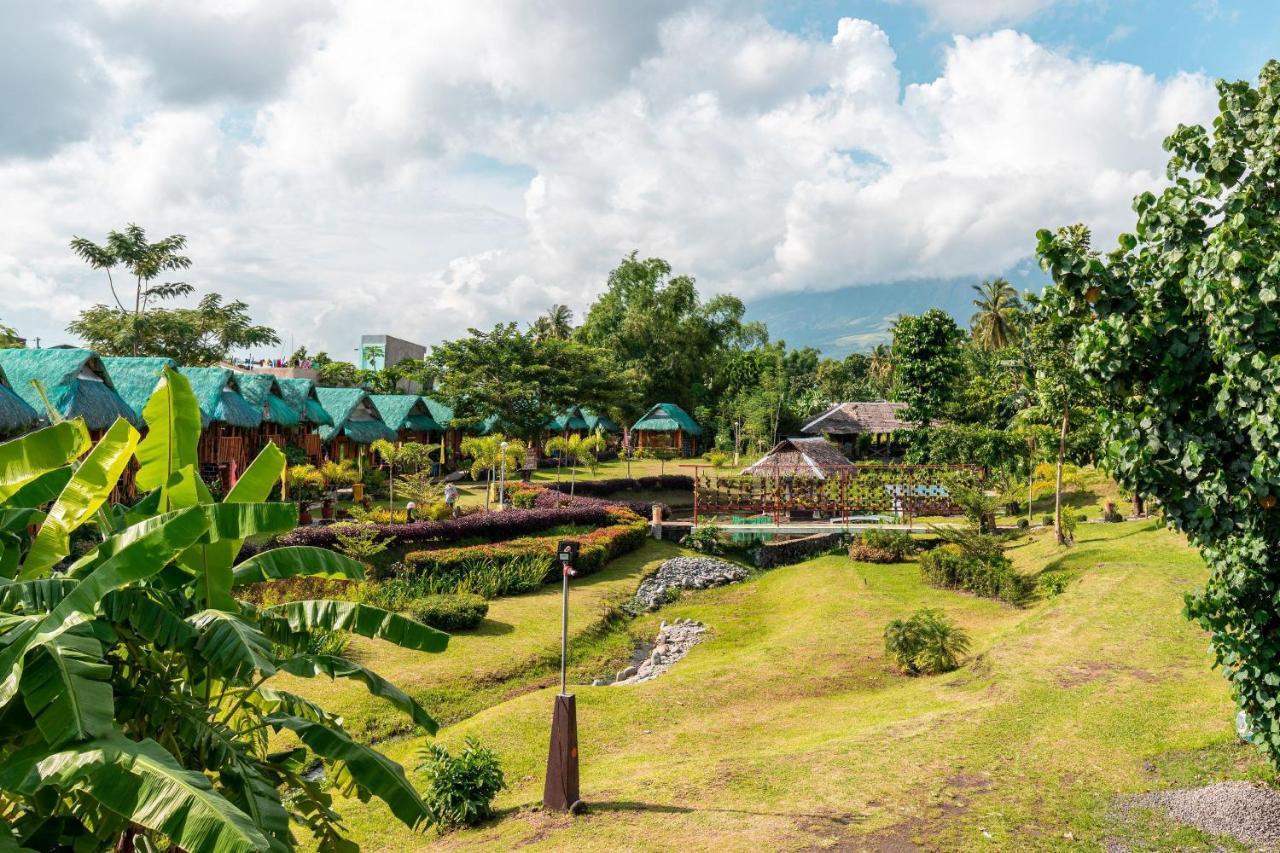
(231,424)
(73,382)
(576,420)
(301,396)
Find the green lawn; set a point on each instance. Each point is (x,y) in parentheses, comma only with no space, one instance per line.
(788,729)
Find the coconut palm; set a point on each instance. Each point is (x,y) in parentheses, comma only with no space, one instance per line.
(995,323)
(577,450)
(556,323)
(487,455)
(880,368)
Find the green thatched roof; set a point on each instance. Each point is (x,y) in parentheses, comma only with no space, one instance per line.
(570,418)
(217,392)
(404,411)
(353,416)
(440,413)
(668,417)
(263,391)
(75,380)
(15,415)
(300,394)
(599,422)
(136,377)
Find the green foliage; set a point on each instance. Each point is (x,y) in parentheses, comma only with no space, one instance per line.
(462,787)
(577,450)
(340,475)
(360,542)
(896,544)
(965,444)
(951,567)
(706,538)
(457,612)
(131,680)
(926,643)
(1054,583)
(719,458)
(996,323)
(305,483)
(927,363)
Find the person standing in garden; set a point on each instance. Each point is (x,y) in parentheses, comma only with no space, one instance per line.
(451,499)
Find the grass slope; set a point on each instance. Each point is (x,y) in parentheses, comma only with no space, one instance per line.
(788,730)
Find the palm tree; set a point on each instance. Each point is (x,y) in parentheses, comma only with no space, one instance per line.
(880,368)
(487,454)
(995,323)
(577,449)
(556,323)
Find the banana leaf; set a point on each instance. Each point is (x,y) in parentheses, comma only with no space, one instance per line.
(173,431)
(66,687)
(42,489)
(362,619)
(310,666)
(296,561)
(233,647)
(35,454)
(86,491)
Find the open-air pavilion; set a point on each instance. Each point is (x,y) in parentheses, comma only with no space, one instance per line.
(814,458)
(75,381)
(667,427)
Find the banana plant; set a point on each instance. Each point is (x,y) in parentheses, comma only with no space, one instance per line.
(136,692)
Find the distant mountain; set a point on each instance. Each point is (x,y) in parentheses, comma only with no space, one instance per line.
(855,319)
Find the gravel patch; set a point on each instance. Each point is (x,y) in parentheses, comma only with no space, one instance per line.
(1246,811)
(686,573)
(674,642)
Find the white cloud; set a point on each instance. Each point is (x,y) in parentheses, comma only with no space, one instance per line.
(967,16)
(418,168)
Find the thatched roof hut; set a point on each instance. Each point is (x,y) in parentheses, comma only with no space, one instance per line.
(262,391)
(440,413)
(570,419)
(136,377)
(666,426)
(354,416)
(405,413)
(602,423)
(814,458)
(878,418)
(300,394)
(75,381)
(15,415)
(217,390)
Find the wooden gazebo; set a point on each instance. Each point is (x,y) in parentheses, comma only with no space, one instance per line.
(809,458)
(862,429)
(666,426)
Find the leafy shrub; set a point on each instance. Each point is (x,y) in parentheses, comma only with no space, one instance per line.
(1023,524)
(339,475)
(305,483)
(1054,583)
(462,787)
(705,539)
(490,578)
(458,612)
(927,643)
(359,541)
(718,458)
(1047,521)
(897,543)
(602,488)
(524,498)
(950,567)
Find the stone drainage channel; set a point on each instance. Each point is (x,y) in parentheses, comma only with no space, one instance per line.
(675,639)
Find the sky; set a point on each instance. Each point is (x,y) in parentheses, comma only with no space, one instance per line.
(415,169)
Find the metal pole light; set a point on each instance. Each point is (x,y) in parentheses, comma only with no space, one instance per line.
(561,789)
(502,479)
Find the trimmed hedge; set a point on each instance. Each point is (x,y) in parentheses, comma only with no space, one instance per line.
(459,612)
(602,488)
(553,498)
(949,567)
(770,555)
(597,548)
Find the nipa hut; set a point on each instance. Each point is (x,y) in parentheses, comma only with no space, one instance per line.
(666,426)
(862,429)
(300,394)
(75,381)
(807,458)
(136,377)
(280,421)
(356,422)
(231,424)
(408,415)
(567,423)
(16,417)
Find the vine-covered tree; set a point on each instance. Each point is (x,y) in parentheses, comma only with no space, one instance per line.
(1180,328)
(927,363)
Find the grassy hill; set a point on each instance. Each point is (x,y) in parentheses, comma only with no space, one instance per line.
(788,729)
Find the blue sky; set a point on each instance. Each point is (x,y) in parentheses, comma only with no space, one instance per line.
(410,168)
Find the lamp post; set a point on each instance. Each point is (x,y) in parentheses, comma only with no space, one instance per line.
(502,478)
(560,791)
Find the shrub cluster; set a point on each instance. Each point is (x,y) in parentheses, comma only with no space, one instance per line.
(597,548)
(882,546)
(458,612)
(993,576)
(770,555)
(926,643)
(461,787)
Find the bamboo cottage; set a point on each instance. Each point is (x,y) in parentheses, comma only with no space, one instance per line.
(16,416)
(452,436)
(136,377)
(300,394)
(75,381)
(356,422)
(668,427)
(280,421)
(408,415)
(231,424)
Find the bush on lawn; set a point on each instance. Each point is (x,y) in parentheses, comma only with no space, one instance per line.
(927,643)
(461,788)
(950,567)
(882,546)
(706,538)
(552,498)
(458,612)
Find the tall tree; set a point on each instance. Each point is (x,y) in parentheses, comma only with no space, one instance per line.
(657,325)
(927,363)
(1180,329)
(145,262)
(994,325)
